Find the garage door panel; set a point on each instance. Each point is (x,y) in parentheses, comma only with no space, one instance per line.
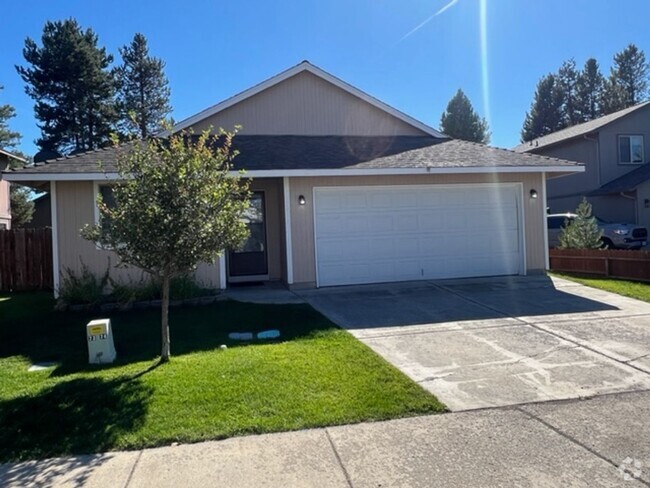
(375,234)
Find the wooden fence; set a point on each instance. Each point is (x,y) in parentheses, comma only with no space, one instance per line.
(25,259)
(632,265)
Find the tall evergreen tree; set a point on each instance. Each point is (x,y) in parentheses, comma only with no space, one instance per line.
(589,89)
(22,206)
(567,78)
(143,94)
(628,80)
(72,86)
(546,112)
(460,121)
(8,138)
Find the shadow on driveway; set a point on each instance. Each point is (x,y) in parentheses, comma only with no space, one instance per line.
(436,302)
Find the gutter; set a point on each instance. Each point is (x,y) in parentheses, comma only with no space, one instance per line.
(292,173)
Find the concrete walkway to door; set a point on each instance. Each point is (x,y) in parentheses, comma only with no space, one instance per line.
(500,341)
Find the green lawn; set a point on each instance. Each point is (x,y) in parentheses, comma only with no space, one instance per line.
(632,289)
(317,375)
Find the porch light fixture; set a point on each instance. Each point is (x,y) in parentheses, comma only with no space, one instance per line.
(533,194)
(301,200)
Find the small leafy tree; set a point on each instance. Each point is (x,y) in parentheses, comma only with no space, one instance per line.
(583,231)
(176,205)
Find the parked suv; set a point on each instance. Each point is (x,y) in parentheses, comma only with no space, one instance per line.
(615,235)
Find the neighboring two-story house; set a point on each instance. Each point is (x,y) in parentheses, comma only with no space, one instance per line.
(5,206)
(615,149)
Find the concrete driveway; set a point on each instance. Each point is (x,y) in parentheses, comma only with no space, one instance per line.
(500,341)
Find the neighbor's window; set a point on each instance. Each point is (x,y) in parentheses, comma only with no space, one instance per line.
(630,149)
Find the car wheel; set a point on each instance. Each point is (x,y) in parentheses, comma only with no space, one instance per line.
(607,243)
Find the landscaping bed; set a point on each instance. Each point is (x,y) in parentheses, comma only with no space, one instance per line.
(314,375)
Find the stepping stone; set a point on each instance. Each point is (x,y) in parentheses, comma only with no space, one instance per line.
(42,366)
(240,336)
(269,334)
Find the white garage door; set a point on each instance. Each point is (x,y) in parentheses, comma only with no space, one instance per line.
(399,233)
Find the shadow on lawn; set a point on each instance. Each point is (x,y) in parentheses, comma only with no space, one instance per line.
(78,416)
(29,327)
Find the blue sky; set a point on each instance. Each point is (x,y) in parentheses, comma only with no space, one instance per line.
(216,49)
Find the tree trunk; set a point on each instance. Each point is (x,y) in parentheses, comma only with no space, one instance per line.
(166,343)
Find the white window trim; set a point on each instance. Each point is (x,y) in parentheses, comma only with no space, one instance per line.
(56,278)
(618,149)
(96,185)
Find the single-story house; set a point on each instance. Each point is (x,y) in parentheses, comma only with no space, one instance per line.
(616,180)
(347,190)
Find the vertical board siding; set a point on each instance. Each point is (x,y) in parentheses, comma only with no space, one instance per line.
(25,259)
(308,105)
(75,209)
(302,225)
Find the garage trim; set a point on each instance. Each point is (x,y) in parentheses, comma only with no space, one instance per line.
(519,190)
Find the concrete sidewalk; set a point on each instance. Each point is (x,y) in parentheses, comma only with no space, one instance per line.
(579,443)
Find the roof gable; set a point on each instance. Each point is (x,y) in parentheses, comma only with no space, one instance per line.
(313,103)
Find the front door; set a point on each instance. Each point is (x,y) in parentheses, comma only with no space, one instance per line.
(250,261)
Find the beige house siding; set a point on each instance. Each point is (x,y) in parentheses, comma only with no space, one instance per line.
(75,207)
(302,228)
(307,105)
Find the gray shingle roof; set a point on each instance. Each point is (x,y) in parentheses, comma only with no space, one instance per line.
(625,183)
(332,152)
(576,130)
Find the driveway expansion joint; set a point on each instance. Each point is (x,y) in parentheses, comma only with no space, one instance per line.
(338,458)
(575,441)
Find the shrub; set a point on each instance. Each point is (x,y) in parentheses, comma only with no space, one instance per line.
(583,232)
(134,291)
(180,288)
(183,287)
(85,288)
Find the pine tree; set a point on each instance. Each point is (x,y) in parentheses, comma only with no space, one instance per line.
(583,231)
(628,80)
(546,112)
(567,79)
(143,94)
(72,86)
(8,138)
(460,121)
(22,207)
(589,89)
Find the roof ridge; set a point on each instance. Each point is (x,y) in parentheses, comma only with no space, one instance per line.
(510,151)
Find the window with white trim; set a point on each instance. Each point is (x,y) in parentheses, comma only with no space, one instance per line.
(106,191)
(630,149)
